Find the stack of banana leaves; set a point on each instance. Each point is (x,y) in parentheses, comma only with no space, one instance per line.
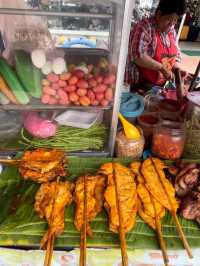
(21,226)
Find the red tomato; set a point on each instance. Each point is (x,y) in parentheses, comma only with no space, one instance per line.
(73,80)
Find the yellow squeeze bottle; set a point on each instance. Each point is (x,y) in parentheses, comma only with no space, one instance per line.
(131,132)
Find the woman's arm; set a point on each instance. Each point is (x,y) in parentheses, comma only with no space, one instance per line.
(148,62)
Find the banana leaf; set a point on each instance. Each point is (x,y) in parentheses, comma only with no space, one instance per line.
(21,226)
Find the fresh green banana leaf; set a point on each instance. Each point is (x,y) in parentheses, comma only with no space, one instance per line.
(21,226)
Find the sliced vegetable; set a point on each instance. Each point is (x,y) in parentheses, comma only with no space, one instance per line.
(29,75)
(7,92)
(59,65)
(47,68)
(38,58)
(3,99)
(11,79)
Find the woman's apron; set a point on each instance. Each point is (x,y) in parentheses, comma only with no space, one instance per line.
(165,54)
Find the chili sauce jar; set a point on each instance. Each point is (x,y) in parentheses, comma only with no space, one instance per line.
(168,140)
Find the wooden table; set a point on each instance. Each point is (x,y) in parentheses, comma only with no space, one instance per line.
(189,63)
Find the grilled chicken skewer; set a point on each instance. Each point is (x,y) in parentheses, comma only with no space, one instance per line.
(88,196)
(40,165)
(163,191)
(120,201)
(150,210)
(50,202)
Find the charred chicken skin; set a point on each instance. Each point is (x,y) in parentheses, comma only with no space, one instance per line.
(95,186)
(42,165)
(127,196)
(50,202)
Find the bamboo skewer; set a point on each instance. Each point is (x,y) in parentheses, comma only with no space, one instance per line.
(50,243)
(10,161)
(158,229)
(49,251)
(83,244)
(121,229)
(160,236)
(174,215)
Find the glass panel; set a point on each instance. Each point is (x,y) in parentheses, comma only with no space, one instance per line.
(56,36)
(92,69)
(91,6)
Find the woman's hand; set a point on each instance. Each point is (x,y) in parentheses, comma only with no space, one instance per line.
(168,75)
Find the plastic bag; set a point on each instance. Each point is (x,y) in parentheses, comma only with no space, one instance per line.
(128,147)
(23,32)
(29,37)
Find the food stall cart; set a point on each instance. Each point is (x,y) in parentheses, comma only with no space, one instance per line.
(108,60)
(88,81)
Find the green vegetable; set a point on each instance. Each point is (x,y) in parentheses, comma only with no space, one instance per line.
(71,139)
(10,77)
(29,75)
(3,99)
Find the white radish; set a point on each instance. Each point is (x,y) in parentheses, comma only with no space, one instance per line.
(38,58)
(59,65)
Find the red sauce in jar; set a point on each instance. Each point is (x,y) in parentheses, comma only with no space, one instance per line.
(149,119)
(168,141)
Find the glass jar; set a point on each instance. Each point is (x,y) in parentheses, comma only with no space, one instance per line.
(170,110)
(148,122)
(129,147)
(168,140)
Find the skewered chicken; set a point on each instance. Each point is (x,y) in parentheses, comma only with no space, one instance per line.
(157,184)
(95,186)
(50,202)
(42,165)
(127,196)
(149,208)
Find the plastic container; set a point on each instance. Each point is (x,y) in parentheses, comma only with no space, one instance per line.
(170,109)
(148,122)
(10,125)
(168,140)
(192,123)
(152,103)
(78,119)
(132,105)
(128,147)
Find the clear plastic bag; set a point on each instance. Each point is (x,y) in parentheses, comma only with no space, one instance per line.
(30,37)
(128,147)
(23,32)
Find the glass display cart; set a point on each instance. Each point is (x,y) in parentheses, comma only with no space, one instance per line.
(83,33)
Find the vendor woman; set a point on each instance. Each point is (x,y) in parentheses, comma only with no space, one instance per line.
(153,52)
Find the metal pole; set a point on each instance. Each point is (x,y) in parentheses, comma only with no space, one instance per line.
(121,70)
(180,28)
(13,11)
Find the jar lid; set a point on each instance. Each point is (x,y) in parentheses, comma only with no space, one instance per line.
(171,125)
(132,105)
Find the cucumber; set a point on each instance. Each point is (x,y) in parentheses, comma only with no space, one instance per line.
(11,79)
(28,74)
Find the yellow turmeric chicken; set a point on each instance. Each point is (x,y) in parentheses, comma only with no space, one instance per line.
(155,179)
(95,186)
(50,202)
(127,196)
(42,165)
(148,208)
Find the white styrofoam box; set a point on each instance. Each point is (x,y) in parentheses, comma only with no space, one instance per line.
(80,119)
